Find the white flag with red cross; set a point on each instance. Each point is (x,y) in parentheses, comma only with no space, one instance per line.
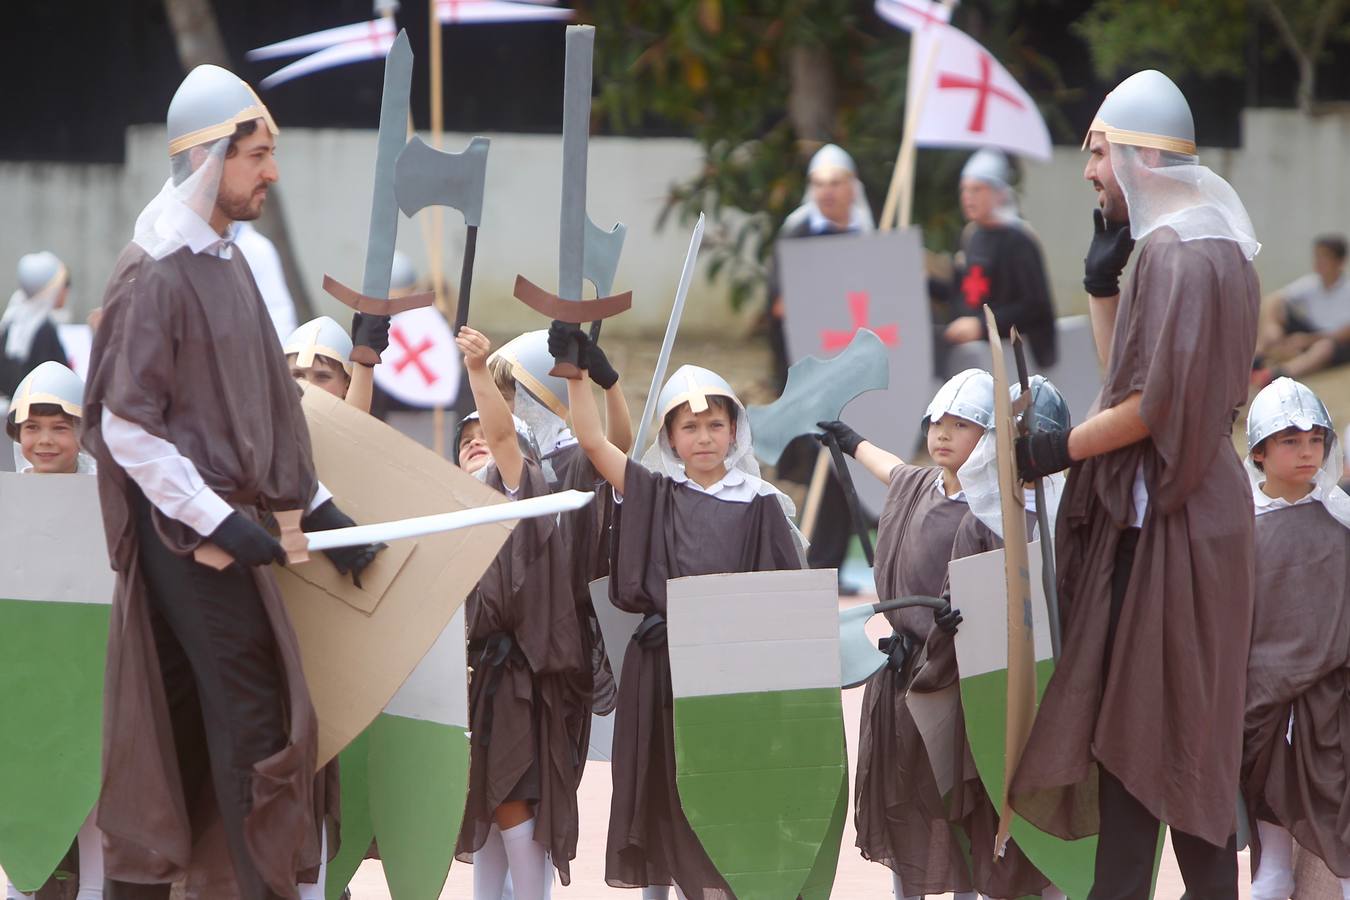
(422,366)
(913,15)
(969,99)
(463,12)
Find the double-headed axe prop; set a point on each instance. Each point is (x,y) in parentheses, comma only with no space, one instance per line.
(585,250)
(817,390)
(425,177)
(373,298)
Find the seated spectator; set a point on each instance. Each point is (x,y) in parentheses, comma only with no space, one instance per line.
(1305,327)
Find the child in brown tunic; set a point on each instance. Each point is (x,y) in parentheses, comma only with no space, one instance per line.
(1297,724)
(705,511)
(529,696)
(901,817)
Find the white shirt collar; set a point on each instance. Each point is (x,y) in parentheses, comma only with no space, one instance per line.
(1266,503)
(735,486)
(816,221)
(179,219)
(941,488)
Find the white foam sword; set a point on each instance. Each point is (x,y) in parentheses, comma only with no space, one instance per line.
(298,544)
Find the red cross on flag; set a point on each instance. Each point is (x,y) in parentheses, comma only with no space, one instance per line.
(913,15)
(422,365)
(970,99)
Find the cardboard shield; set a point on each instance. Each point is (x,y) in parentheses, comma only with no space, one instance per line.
(833,286)
(978,586)
(405,779)
(760,759)
(359,645)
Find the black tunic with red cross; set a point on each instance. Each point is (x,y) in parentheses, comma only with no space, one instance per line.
(1003,267)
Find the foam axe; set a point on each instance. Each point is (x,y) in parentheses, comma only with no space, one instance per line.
(817,390)
(585,251)
(425,177)
(859,658)
(373,298)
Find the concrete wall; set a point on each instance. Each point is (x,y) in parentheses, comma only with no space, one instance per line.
(1291,173)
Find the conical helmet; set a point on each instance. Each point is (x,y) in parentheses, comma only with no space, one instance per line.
(209,104)
(988,165)
(1147,110)
(320,337)
(1286,403)
(50,383)
(1049,410)
(40,272)
(530,362)
(968,394)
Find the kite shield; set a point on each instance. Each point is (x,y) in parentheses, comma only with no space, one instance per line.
(53,641)
(760,759)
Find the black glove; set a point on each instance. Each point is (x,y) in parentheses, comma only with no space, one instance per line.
(344,559)
(846,437)
(947,618)
(248,542)
(896,647)
(1107,254)
(561,337)
(596,364)
(1042,453)
(370,331)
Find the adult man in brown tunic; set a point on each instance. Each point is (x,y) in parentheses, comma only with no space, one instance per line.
(1142,721)
(198,432)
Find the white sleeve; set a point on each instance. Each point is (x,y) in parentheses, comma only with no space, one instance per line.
(321,496)
(168,478)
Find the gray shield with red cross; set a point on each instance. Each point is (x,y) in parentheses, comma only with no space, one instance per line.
(422,366)
(832,286)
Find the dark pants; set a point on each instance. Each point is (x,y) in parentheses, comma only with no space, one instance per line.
(834,527)
(225,690)
(1129,832)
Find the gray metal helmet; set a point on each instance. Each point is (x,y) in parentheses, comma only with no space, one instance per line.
(209,104)
(530,362)
(403,275)
(1286,403)
(692,385)
(968,394)
(39,272)
(1146,110)
(528,447)
(990,166)
(1049,411)
(50,383)
(319,337)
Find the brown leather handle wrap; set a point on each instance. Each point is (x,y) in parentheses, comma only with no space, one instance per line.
(572,311)
(375,306)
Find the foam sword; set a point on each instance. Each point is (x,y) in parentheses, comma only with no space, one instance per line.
(373,298)
(585,251)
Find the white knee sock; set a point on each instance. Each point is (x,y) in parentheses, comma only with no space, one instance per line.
(1345,889)
(656,892)
(489,867)
(527,860)
(1053,893)
(1274,877)
(966,895)
(898,889)
(90,843)
(13,893)
(313,891)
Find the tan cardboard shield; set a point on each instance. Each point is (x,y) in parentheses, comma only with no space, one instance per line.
(359,645)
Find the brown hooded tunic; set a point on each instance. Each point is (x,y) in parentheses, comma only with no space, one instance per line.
(1300,663)
(186,350)
(526,713)
(1166,719)
(969,804)
(667,530)
(900,815)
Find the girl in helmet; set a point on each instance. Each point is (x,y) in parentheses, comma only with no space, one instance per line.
(529,696)
(44,423)
(1294,776)
(697,508)
(897,825)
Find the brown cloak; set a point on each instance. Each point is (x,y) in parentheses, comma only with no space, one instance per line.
(667,530)
(1167,718)
(187,351)
(969,804)
(526,713)
(1300,663)
(900,815)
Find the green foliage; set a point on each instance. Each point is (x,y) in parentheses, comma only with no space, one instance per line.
(721,71)
(1166,34)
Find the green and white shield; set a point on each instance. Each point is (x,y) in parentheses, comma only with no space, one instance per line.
(56,592)
(760,760)
(405,778)
(978,590)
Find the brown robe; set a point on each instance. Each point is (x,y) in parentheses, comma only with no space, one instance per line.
(900,815)
(1300,663)
(1166,720)
(525,714)
(186,350)
(969,804)
(667,530)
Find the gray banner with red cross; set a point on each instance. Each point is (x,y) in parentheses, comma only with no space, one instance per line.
(832,286)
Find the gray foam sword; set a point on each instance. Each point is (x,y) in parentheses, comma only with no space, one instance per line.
(817,390)
(425,177)
(373,298)
(585,251)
